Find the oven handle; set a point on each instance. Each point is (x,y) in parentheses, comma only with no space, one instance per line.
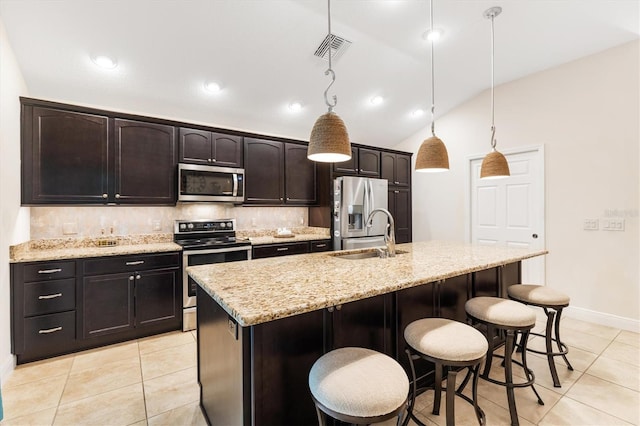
(220,250)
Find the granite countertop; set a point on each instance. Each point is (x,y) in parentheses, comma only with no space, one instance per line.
(74,248)
(263,290)
(272,239)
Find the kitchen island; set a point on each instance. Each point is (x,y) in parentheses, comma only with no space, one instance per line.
(262,323)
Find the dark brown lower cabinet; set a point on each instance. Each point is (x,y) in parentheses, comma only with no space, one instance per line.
(259,374)
(60,307)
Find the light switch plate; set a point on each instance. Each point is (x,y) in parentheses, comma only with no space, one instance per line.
(590,225)
(69,228)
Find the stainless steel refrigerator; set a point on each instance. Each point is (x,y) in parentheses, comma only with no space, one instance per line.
(353,200)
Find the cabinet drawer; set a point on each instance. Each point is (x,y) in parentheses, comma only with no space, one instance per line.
(46,297)
(116,264)
(316,246)
(49,271)
(49,333)
(273,250)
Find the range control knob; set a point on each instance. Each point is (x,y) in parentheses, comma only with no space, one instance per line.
(190,226)
(229,225)
(183,226)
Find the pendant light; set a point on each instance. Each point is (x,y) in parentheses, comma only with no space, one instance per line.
(494,165)
(329,141)
(432,155)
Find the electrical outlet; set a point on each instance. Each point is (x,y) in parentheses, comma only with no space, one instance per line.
(156,225)
(590,225)
(613,224)
(69,228)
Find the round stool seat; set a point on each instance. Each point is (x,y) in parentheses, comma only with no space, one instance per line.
(358,382)
(446,340)
(496,310)
(537,295)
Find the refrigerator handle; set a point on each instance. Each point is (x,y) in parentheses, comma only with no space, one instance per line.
(372,202)
(365,207)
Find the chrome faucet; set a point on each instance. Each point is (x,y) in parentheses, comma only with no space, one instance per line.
(390,231)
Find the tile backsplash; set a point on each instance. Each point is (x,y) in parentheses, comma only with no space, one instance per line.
(87,221)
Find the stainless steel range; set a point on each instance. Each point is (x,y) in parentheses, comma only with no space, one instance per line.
(204,242)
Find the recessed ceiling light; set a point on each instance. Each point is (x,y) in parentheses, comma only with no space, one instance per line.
(104,62)
(417,113)
(212,87)
(432,35)
(377,100)
(295,106)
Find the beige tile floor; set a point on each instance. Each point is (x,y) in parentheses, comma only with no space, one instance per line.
(152,381)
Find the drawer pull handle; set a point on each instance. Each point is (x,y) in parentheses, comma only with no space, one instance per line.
(321,245)
(50,271)
(50,296)
(137,262)
(50,330)
(282,249)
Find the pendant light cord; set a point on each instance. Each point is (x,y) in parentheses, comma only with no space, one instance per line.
(433,96)
(331,105)
(493,127)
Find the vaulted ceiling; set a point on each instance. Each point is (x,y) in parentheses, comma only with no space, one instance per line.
(261,52)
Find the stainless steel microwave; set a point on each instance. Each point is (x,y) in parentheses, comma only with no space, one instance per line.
(210,183)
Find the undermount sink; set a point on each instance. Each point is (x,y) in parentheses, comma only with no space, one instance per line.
(365,254)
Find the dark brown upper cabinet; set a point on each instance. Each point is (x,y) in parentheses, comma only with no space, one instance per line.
(64,156)
(145,163)
(400,208)
(204,147)
(81,156)
(278,173)
(396,168)
(363,162)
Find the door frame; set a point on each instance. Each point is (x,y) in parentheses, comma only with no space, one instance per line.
(539,150)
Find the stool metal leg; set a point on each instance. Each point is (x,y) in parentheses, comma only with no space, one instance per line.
(528,372)
(451,393)
(438,390)
(474,393)
(549,345)
(508,377)
(487,364)
(562,348)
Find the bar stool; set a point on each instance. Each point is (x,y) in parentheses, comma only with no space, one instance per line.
(552,302)
(359,386)
(511,317)
(450,344)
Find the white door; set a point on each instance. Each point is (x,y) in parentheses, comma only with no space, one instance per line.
(510,211)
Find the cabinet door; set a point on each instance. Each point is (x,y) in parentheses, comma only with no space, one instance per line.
(227,150)
(403,170)
(264,172)
(349,167)
(107,304)
(64,157)
(145,163)
(400,209)
(157,294)
(300,175)
(365,323)
(453,293)
(388,167)
(368,162)
(195,146)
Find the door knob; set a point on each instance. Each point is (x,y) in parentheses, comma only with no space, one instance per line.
(535,236)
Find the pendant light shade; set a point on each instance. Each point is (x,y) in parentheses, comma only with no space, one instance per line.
(432,155)
(329,140)
(494,164)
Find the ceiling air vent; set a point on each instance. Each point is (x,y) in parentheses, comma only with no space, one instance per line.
(338,46)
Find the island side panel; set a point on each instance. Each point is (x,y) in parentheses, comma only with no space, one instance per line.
(283,352)
(223,365)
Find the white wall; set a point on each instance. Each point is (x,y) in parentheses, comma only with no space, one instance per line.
(586,114)
(14,220)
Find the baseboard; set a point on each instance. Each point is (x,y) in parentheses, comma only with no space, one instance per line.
(602,318)
(6,367)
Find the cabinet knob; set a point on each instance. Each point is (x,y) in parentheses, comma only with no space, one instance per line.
(396,182)
(396,192)
(281,198)
(105,196)
(131,278)
(138,277)
(117,195)
(213,160)
(209,160)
